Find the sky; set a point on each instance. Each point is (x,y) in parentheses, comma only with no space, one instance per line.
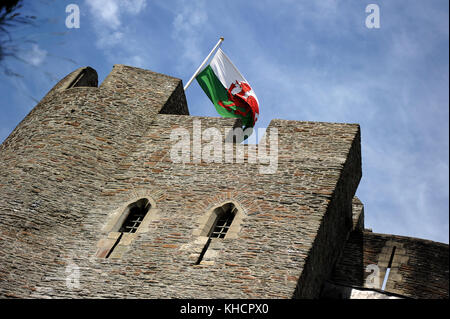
(306,60)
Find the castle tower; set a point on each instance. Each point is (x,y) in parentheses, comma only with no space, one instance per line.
(92,203)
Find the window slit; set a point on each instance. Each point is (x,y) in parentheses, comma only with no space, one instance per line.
(136,214)
(134,219)
(220,228)
(388,270)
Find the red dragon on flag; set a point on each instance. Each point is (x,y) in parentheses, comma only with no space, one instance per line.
(229,91)
(241,96)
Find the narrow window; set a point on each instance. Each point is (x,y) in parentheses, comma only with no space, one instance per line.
(388,270)
(133,217)
(224,218)
(223,222)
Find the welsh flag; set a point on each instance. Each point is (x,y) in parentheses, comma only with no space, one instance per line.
(229,91)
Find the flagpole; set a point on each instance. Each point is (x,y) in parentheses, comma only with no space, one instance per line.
(203,63)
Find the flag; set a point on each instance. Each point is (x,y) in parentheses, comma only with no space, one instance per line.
(228,90)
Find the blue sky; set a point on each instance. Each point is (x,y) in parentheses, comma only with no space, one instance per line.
(306,60)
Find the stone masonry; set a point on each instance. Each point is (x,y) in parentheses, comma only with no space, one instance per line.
(419,267)
(72,168)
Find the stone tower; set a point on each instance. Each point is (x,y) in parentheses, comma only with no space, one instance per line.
(92,205)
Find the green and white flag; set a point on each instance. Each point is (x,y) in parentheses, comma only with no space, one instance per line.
(229,91)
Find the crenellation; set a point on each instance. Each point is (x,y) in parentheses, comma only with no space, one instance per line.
(84,153)
(417,264)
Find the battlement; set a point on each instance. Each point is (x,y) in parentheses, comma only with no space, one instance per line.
(419,268)
(85,156)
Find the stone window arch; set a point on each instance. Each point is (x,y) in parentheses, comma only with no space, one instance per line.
(223,219)
(221,222)
(124,226)
(133,216)
(210,220)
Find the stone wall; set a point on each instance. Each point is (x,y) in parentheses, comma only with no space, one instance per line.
(419,269)
(71,167)
(334,291)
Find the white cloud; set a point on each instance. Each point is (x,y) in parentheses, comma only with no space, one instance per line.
(36,56)
(188,28)
(108,13)
(133,6)
(110,38)
(115,28)
(107,18)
